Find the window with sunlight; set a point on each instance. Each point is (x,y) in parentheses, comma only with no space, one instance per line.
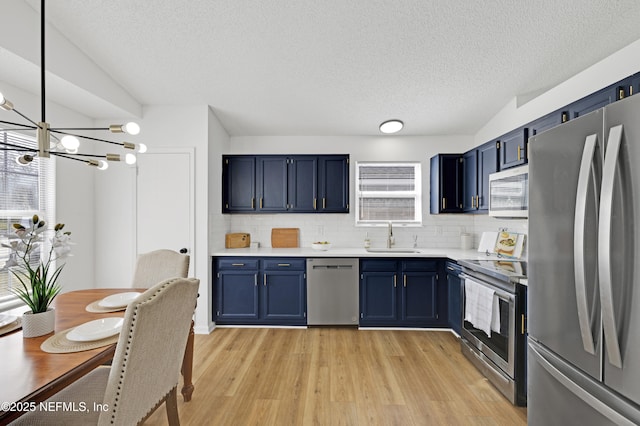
(388,192)
(25,190)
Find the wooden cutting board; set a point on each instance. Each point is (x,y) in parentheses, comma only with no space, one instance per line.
(237,240)
(285,237)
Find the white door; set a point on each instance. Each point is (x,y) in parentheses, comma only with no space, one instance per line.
(165,201)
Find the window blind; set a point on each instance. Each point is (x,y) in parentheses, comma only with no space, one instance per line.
(388,192)
(25,190)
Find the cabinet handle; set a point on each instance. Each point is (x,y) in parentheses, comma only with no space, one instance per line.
(264,280)
(260,202)
(630,89)
(518,152)
(237,264)
(621,93)
(522,318)
(473,201)
(565,117)
(324,203)
(395,277)
(477,201)
(404,279)
(255,280)
(314,203)
(444,203)
(284,264)
(253,203)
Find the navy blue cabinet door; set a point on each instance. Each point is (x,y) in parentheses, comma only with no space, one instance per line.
(446,183)
(487,164)
(303,183)
(378,303)
(284,297)
(470,180)
(272,184)
(513,148)
(547,122)
(333,185)
(592,102)
(419,297)
(238,183)
(237,296)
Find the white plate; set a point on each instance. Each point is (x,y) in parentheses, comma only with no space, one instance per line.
(96,330)
(7,319)
(119,300)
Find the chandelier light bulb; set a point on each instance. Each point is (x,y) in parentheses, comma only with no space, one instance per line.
(24,159)
(142,148)
(5,104)
(70,143)
(102,165)
(131,128)
(130,159)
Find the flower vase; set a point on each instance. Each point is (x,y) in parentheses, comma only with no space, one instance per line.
(34,325)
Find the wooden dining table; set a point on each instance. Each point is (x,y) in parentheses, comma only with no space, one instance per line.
(28,374)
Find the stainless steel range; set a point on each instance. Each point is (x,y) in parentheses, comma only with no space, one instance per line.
(493,329)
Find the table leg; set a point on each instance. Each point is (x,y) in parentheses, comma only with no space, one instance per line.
(187,367)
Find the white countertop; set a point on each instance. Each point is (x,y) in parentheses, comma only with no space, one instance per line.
(450,253)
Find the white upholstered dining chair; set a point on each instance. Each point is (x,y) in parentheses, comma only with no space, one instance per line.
(145,368)
(159,265)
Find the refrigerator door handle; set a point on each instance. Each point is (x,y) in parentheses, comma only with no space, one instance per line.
(604,245)
(578,390)
(584,317)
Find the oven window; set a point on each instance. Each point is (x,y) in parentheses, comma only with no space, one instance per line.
(497,342)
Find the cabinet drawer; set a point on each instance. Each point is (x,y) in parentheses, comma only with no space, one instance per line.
(420,265)
(379,265)
(280,264)
(237,263)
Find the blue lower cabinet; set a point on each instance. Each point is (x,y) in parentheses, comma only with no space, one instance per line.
(284,297)
(237,296)
(401,293)
(260,291)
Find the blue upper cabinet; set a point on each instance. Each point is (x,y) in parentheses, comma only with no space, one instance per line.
(285,184)
(238,184)
(513,148)
(593,102)
(446,183)
(478,164)
(548,121)
(333,185)
(303,183)
(272,178)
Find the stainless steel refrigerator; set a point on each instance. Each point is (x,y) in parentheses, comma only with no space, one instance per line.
(584,270)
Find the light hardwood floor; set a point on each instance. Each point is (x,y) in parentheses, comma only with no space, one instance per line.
(337,376)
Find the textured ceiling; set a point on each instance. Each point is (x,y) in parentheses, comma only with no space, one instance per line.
(340,67)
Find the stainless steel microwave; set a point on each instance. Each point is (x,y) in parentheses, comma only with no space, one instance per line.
(509,193)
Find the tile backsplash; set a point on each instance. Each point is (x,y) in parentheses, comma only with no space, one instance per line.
(340,230)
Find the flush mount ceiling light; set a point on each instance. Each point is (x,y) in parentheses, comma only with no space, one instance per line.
(391,126)
(59,141)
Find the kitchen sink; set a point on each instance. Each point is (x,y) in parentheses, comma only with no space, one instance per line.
(392,250)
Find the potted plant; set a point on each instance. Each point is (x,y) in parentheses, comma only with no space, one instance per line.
(38,284)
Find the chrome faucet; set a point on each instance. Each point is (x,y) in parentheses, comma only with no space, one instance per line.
(390,239)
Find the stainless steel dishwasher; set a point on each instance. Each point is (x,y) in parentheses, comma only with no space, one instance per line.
(332,291)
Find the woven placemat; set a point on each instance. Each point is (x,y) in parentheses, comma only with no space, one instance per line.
(59,344)
(11,326)
(97,309)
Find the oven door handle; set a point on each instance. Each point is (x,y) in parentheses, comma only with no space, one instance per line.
(507,297)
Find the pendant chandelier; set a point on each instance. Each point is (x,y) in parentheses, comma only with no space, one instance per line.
(62,142)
